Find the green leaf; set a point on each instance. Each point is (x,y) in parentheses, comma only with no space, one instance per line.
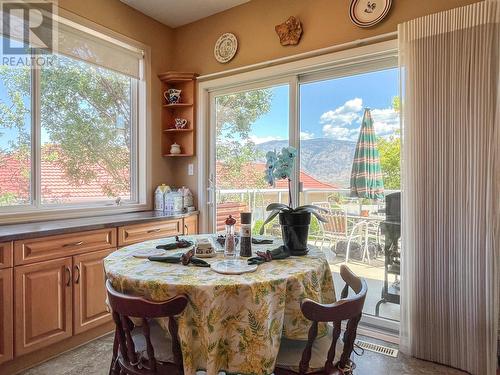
(269,219)
(277,206)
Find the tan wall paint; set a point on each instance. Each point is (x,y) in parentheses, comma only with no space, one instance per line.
(125,20)
(325,23)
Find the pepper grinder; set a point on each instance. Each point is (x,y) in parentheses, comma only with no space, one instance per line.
(246,234)
(230,242)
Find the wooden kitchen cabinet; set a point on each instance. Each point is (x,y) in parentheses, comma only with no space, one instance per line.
(6,324)
(190,225)
(131,234)
(89,291)
(5,254)
(43,304)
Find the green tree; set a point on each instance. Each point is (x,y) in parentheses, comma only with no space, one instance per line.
(390,155)
(235,115)
(85,117)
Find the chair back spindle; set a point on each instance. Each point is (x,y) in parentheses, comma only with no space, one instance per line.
(125,307)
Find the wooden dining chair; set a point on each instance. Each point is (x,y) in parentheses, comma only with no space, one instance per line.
(135,346)
(313,352)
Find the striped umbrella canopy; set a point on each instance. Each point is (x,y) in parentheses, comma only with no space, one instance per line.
(366,174)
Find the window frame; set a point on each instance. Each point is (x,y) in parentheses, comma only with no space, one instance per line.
(140,135)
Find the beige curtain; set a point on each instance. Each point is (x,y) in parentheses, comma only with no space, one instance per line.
(451,186)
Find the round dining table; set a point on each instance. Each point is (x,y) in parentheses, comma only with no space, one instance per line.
(232,323)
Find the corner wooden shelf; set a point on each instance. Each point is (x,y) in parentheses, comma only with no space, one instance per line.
(185,109)
(178,130)
(177,105)
(176,155)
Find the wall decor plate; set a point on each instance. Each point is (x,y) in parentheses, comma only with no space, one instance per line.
(225,47)
(366,13)
(233,267)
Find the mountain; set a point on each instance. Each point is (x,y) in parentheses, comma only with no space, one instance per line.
(328,160)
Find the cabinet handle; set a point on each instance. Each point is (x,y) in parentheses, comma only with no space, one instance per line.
(73,244)
(68,271)
(77,272)
(154,230)
(186,228)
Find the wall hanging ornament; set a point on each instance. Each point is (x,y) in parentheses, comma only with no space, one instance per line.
(289,31)
(366,13)
(225,47)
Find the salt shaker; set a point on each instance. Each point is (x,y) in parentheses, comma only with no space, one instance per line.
(246,234)
(230,242)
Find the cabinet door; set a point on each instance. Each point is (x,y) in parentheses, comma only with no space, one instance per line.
(43,313)
(6,323)
(191,225)
(89,291)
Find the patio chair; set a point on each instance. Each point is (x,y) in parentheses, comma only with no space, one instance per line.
(336,229)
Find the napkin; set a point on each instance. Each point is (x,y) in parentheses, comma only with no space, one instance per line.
(261,241)
(269,255)
(184,258)
(178,244)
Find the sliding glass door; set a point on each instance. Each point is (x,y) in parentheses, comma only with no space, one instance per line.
(248,123)
(342,121)
(333,113)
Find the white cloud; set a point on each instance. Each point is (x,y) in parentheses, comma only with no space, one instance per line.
(257,140)
(339,123)
(385,121)
(306,135)
(344,115)
(340,132)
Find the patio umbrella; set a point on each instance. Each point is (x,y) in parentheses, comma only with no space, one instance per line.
(366,174)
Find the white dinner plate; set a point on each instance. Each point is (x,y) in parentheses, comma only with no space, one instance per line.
(146,253)
(233,267)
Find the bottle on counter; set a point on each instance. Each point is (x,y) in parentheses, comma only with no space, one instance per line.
(246,234)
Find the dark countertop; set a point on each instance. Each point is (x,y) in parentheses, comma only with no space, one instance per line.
(12,232)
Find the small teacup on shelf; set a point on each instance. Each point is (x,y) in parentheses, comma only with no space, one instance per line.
(172,96)
(181,123)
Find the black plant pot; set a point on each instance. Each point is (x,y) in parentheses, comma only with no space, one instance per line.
(295,231)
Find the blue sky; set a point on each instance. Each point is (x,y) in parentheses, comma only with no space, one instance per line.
(334,108)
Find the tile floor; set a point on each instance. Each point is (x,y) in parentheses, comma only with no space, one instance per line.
(94,358)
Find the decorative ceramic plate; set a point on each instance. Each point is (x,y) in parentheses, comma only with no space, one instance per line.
(225,48)
(366,13)
(233,267)
(146,253)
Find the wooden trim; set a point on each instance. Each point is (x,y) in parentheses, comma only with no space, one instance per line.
(6,316)
(32,359)
(6,254)
(53,247)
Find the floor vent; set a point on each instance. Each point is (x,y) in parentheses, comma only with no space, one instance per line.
(377,348)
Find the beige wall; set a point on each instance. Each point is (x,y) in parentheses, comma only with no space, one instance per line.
(325,23)
(125,20)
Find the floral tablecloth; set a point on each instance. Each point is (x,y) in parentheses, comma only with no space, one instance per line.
(233,322)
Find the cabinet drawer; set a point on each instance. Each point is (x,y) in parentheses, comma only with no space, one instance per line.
(130,234)
(52,247)
(5,254)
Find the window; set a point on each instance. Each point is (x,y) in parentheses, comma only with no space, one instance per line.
(69,130)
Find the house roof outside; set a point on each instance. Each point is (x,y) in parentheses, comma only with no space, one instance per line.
(252,177)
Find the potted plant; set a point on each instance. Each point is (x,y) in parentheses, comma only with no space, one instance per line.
(294,221)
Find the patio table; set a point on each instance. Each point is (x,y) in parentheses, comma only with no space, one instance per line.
(233,323)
